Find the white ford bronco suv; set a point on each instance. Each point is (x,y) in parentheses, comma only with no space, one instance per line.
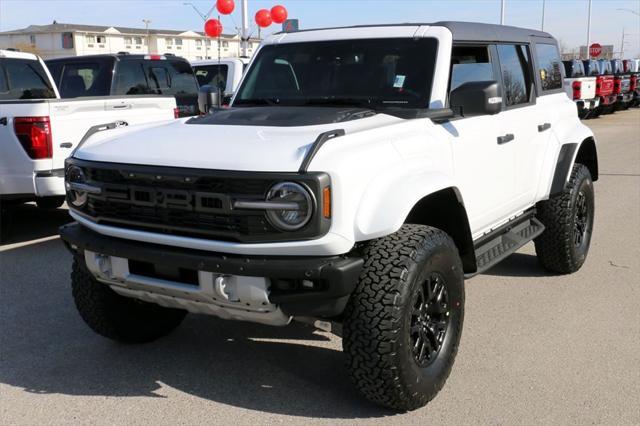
(360,175)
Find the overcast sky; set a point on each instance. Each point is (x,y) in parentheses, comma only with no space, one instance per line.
(565,19)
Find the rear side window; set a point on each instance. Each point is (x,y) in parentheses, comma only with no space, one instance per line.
(131,79)
(516,78)
(470,63)
(549,64)
(158,78)
(574,69)
(214,75)
(26,79)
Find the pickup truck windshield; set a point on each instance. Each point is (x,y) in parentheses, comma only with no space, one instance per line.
(370,73)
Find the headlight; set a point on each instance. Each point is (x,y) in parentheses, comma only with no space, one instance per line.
(74,180)
(294,218)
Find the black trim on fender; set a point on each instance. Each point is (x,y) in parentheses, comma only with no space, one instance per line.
(315,147)
(336,276)
(563,166)
(95,129)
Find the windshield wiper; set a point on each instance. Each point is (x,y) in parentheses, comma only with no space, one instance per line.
(258,101)
(356,102)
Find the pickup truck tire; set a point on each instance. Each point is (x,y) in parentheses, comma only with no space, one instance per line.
(395,309)
(568,220)
(50,203)
(117,317)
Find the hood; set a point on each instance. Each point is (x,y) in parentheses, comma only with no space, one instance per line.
(254,145)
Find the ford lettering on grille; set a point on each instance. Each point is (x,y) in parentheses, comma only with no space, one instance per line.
(166,198)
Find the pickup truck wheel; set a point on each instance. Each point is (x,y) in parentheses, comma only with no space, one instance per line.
(50,203)
(568,220)
(403,322)
(117,317)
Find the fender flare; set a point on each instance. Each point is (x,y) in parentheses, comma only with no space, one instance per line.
(387,202)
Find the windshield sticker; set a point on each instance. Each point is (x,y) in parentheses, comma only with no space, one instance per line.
(399,82)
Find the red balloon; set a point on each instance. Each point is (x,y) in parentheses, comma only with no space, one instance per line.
(279,14)
(213,28)
(225,7)
(263,18)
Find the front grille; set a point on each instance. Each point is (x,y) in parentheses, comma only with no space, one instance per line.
(189,202)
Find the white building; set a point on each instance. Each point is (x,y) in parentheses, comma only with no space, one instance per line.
(59,40)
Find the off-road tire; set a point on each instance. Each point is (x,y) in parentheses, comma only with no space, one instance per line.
(50,203)
(377,322)
(117,317)
(556,247)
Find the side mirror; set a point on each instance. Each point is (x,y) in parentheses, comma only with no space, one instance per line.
(476,98)
(208,98)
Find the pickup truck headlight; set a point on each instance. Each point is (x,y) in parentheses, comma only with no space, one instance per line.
(74,181)
(301,203)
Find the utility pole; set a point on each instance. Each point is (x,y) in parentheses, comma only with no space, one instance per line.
(244,33)
(622,44)
(502,7)
(543,6)
(589,32)
(146,26)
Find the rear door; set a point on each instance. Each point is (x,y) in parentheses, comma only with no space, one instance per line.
(519,122)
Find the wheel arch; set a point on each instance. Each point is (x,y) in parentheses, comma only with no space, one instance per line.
(445,210)
(584,153)
(588,155)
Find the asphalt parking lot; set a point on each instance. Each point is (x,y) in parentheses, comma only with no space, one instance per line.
(536,348)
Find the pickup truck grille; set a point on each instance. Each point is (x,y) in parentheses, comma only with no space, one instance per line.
(188,202)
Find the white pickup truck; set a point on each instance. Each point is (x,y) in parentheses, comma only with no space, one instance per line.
(224,73)
(581,87)
(38,130)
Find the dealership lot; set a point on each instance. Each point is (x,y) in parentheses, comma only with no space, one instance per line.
(536,348)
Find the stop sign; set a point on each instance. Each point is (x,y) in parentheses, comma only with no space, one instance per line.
(595,50)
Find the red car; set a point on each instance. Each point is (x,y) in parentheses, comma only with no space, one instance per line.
(604,84)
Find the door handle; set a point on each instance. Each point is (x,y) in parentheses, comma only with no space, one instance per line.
(543,127)
(506,138)
(4,121)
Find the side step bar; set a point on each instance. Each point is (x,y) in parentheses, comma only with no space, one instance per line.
(505,240)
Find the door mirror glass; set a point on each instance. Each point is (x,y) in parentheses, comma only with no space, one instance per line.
(476,98)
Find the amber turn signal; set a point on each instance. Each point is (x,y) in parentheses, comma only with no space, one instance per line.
(326,202)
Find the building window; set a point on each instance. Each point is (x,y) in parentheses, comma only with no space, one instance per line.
(67,40)
(127,42)
(138,40)
(225,44)
(90,40)
(168,41)
(32,39)
(178,43)
(199,44)
(101,39)
(207,42)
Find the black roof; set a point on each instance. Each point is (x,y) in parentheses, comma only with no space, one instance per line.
(468,31)
(118,56)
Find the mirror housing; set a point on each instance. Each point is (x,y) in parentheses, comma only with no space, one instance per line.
(476,98)
(208,97)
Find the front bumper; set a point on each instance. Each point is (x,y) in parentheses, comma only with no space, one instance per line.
(334,278)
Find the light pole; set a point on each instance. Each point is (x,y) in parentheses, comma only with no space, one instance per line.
(146,26)
(245,29)
(204,19)
(543,5)
(502,7)
(589,31)
(629,10)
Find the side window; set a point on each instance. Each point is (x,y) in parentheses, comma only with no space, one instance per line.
(549,64)
(27,80)
(215,75)
(131,79)
(4,87)
(85,79)
(516,78)
(470,63)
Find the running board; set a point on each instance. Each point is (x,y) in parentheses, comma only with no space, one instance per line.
(505,240)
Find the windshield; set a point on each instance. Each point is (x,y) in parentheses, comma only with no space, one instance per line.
(372,73)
